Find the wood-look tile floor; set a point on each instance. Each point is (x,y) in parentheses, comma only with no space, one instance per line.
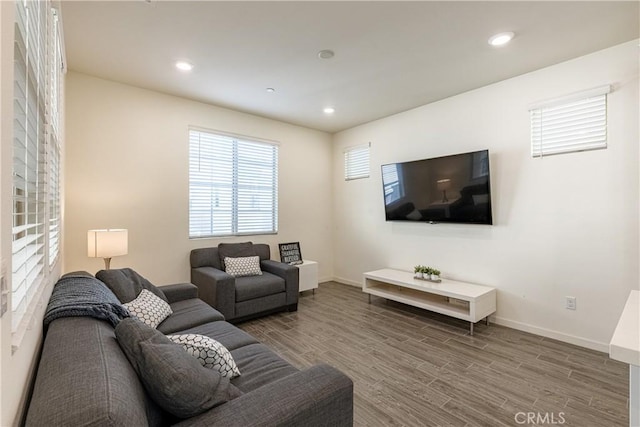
(416,368)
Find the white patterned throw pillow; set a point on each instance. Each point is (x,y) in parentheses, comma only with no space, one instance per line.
(149,308)
(243,266)
(209,352)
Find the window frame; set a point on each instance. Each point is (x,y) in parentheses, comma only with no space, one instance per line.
(238,184)
(357,162)
(569,124)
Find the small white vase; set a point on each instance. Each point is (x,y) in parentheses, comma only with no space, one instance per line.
(435,277)
(420,275)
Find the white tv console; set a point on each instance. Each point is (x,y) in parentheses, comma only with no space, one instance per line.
(461,300)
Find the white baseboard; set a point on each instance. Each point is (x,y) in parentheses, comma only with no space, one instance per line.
(520,326)
(560,336)
(345,281)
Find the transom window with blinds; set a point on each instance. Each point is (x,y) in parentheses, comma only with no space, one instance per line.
(36,154)
(576,122)
(356,162)
(233,185)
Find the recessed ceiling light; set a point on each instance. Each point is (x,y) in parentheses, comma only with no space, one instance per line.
(326,54)
(501,39)
(184,66)
(270,90)
(329,110)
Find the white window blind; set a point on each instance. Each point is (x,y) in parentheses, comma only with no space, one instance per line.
(54,199)
(233,185)
(53,150)
(36,154)
(574,123)
(356,162)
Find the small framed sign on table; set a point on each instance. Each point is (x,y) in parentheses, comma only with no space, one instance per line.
(290,253)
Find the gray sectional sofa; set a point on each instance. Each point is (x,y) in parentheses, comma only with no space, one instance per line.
(84,378)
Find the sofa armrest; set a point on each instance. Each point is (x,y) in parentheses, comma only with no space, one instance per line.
(318,396)
(216,288)
(289,273)
(179,292)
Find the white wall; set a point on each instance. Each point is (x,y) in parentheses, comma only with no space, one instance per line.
(127,167)
(565,225)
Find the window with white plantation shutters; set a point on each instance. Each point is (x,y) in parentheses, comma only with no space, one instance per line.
(573,123)
(36,155)
(356,162)
(233,185)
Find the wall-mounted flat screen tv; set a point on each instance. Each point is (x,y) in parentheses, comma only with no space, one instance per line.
(454,189)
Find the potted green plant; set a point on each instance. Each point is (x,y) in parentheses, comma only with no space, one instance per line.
(435,274)
(419,272)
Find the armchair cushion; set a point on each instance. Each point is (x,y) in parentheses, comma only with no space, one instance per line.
(235,250)
(174,379)
(252,287)
(243,266)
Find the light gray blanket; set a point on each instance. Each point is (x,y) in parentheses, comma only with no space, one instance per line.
(84,296)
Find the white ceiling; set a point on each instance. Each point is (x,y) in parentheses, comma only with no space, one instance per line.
(389,56)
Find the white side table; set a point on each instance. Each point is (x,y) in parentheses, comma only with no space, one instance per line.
(308,275)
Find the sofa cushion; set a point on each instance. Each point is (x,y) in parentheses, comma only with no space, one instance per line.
(209,352)
(127,284)
(259,366)
(173,378)
(252,287)
(234,250)
(243,266)
(225,333)
(149,308)
(84,378)
(188,314)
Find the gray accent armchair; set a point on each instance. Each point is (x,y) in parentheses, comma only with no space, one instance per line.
(242,298)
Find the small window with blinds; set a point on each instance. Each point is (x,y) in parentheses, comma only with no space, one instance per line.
(573,123)
(356,162)
(233,185)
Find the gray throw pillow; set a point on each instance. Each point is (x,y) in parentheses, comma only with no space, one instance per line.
(175,380)
(127,284)
(235,250)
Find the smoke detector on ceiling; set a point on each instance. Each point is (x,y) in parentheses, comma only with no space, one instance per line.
(326,54)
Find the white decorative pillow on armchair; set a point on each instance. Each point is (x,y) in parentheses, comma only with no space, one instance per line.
(243,266)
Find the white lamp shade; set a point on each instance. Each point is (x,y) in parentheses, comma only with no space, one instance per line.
(444,184)
(107,243)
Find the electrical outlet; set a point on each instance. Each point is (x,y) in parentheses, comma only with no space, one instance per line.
(570,303)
